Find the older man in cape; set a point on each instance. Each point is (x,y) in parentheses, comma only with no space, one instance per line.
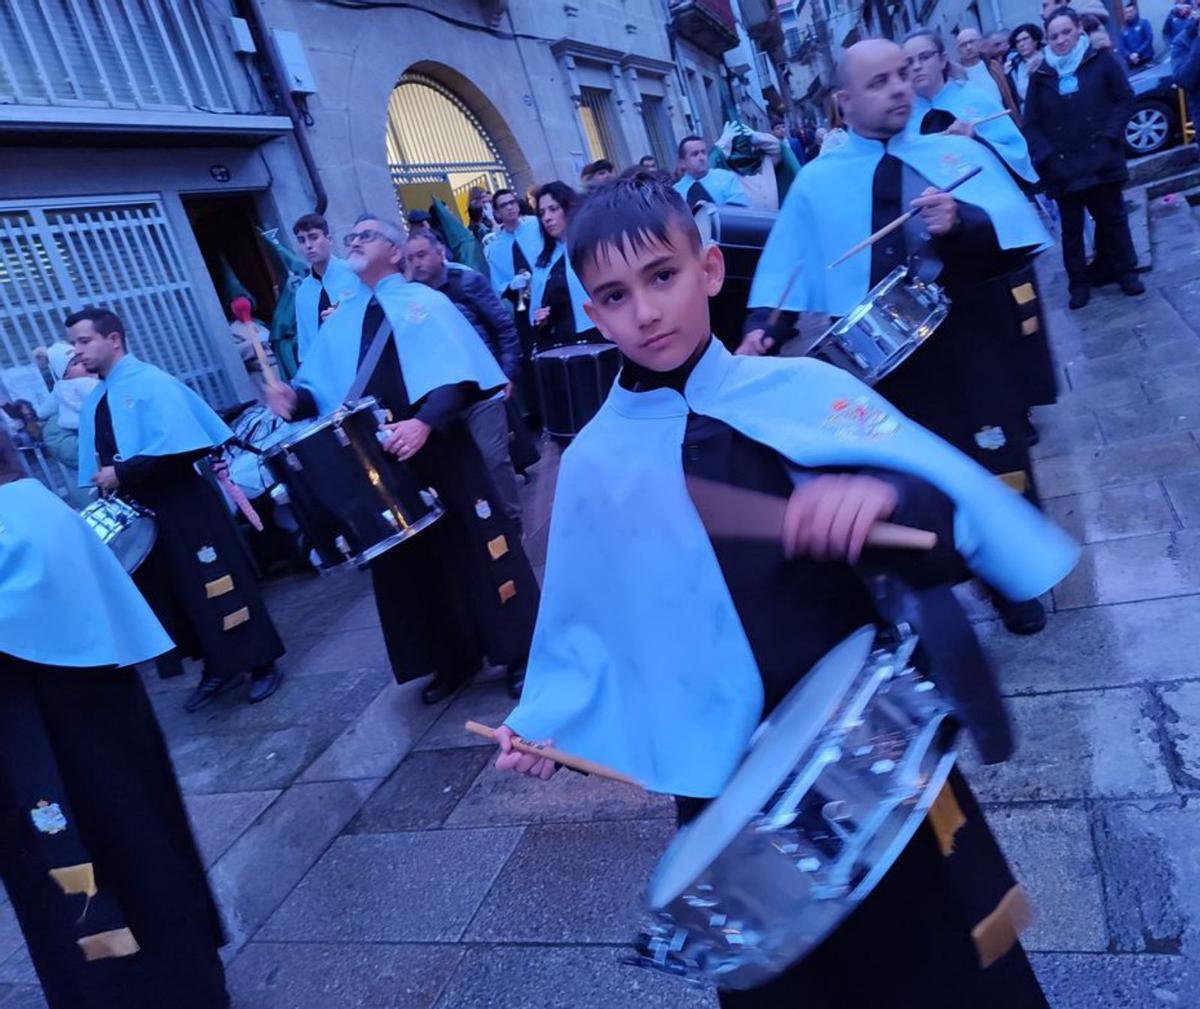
(968,243)
(463,588)
(95,851)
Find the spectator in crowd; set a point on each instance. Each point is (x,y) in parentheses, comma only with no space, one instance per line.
(779,129)
(996,45)
(556,297)
(648,163)
(986,74)
(701,183)
(73,383)
(1027,41)
(1136,43)
(1177,17)
(1078,103)
(585,177)
(472,295)
(1185,61)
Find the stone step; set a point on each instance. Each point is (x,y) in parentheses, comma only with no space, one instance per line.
(1178,183)
(1158,166)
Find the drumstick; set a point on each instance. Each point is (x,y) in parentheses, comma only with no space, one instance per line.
(558,756)
(261,354)
(995,115)
(900,221)
(738,513)
(777,311)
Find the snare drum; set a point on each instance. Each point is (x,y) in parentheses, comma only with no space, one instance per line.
(352,499)
(572,383)
(876,336)
(834,786)
(129,529)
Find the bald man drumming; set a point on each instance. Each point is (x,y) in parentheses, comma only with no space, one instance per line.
(960,382)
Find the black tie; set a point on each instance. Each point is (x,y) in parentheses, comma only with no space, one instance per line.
(372,320)
(520,263)
(323,305)
(886,196)
(698,194)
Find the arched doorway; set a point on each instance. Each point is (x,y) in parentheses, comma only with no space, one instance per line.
(436,146)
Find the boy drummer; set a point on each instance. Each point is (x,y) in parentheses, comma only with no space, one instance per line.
(660,645)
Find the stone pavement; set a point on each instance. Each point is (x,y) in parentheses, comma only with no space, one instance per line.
(365,854)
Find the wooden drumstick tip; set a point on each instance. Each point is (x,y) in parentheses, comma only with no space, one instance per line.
(558,756)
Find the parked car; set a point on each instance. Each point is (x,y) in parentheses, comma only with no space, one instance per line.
(1155,124)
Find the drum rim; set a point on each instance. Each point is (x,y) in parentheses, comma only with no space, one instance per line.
(861,643)
(578,347)
(383,546)
(367,402)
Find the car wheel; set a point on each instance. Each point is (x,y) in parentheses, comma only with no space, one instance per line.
(1148,129)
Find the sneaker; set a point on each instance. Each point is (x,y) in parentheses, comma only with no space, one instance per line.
(1131,285)
(1080,296)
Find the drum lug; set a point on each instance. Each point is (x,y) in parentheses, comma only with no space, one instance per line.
(293,461)
(341,436)
(342,546)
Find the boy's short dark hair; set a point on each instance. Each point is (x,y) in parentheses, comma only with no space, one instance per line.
(687,140)
(310,222)
(105,321)
(636,209)
(603,165)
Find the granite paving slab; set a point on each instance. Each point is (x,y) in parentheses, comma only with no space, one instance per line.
(18,969)
(1124,463)
(1181,715)
(1136,420)
(422,791)
(498,797)
(488,703)
(1086,744)
(1173,383)
(1089,981)
(413,887)
(10,932)
(249,760)
(1184,494)
(304,975)
(23,996)
(1125,570)
(1130,510)
(219,820)
(564,977)
(573,883)
(274,854)
(347,650)
(1050,849)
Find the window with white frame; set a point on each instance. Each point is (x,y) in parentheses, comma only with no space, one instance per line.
(600,125)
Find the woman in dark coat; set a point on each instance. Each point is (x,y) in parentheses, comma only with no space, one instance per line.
(1075,113)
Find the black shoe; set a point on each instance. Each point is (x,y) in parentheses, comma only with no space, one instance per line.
(1031,432)
(1131,285)
(209,689)
(264,681)
(1080,296)
(516,679)
(1021,618)
(439,688)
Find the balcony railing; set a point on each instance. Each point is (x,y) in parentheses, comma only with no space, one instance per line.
(159,55)
(709,24)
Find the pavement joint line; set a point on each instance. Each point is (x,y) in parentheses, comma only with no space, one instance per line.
(1088,802)
(1108,912)
(1135,684)
(1162,714)
(1162,486)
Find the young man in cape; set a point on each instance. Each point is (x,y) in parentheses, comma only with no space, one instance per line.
(461,589)
(941,104)
(96,851)
(141,434)
(661,645)
(329,282)
(959,382)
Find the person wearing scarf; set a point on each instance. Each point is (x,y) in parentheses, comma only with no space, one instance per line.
(96,852)
(1076,108)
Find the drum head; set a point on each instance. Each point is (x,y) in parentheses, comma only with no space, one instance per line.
(133,544)
(775,752)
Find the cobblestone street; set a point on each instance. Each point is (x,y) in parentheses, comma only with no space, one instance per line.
(365,854)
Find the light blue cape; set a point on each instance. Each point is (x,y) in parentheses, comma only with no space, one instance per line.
(639,660)
(965,101)
(153,413)
(722,185)
(499,250)
(65,600)
(435,343)
(537,287)
(339,281)
(828,209)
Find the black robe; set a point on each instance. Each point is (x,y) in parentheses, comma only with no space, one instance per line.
(962,383)
(87,739)
(197,579)
(915,929)
(461,589)
(559,329)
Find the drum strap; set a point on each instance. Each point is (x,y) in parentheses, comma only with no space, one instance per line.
(367,366)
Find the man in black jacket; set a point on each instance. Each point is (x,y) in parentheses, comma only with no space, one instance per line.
(472,295)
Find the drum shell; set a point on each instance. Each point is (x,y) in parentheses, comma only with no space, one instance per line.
(352,499)
(741,234)
(128,529)
(573,381)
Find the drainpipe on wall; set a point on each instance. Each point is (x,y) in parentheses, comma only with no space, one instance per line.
(250,10)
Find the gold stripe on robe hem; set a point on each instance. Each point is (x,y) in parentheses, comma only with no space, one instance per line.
(946,818)
(236,619)
(109,945)
(76,879)
(999,931)
(219,587)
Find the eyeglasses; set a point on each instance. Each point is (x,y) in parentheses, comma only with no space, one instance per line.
(366,235)
(926,57)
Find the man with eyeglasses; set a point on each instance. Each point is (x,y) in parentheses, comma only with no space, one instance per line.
(463,588)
